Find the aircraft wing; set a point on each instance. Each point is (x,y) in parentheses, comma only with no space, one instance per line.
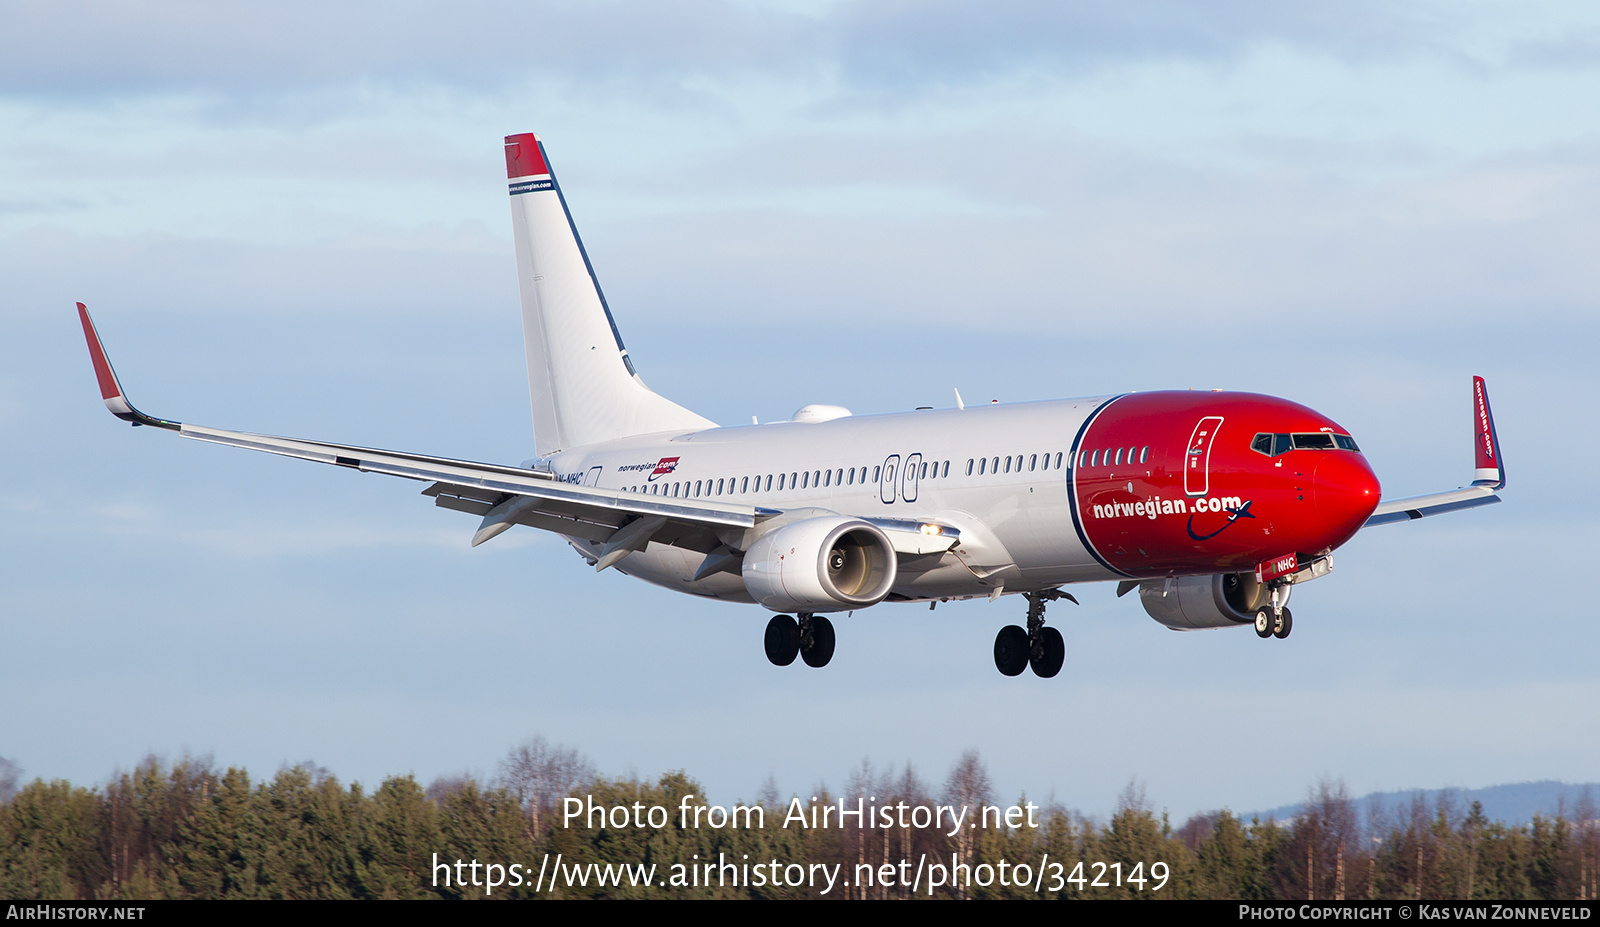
(1469,497)
(1490,474)
(503,495)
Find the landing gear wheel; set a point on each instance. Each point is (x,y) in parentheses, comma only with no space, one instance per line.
(783,640)
(1011,650)
(1047,653)
(818,650)
(1265,623)
(1285,624)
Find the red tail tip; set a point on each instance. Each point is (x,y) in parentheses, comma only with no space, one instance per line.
(525,156)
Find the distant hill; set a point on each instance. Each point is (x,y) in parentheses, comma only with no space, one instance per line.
(1513,804)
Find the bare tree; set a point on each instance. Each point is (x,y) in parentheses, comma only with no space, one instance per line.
(1133,797)
(968,786)
(769,795)
(540,775)
(1324,838)
(9,774)
(863,786)
(442,787)
(1588,839)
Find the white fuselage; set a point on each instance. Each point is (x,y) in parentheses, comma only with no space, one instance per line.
(1016,525)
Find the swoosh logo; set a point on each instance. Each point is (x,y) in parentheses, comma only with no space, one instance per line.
(1234,515)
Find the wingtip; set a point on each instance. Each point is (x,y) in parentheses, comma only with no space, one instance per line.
(110,388)
(1490,465)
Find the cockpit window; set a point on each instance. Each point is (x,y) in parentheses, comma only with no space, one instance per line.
(1316,441)
(1274,444)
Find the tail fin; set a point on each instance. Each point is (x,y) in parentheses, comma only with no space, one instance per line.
(580,379)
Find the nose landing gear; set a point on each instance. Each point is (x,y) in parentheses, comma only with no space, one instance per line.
(1274,619)
(1040,647)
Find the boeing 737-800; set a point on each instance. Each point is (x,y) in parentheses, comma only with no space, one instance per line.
(1213,505)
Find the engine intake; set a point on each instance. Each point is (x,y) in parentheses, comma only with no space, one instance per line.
(825,564)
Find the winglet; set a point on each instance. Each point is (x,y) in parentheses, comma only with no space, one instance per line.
(110,388)
(1491,467)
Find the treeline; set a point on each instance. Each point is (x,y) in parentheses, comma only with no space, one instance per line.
(190,831)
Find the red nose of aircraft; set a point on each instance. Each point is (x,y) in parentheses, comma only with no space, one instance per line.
(1344,491)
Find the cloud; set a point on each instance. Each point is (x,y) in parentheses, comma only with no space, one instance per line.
(117,49)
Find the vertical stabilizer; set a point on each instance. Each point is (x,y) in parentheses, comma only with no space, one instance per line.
(580,379)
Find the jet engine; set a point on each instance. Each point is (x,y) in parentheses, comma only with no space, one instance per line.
(824,564)
(1188,603)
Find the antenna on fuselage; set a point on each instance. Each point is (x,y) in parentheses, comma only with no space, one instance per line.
(959,403)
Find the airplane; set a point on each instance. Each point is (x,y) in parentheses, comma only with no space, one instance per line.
(1213,505)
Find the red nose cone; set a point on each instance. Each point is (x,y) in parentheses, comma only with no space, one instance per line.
(1344,491)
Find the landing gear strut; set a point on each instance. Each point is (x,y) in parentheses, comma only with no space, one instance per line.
(1040,647)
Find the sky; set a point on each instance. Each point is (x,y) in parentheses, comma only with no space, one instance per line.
(289,218)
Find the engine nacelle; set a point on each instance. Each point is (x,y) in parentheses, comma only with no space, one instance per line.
(1193,602)
(825,564)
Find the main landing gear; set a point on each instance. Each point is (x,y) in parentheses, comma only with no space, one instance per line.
(810,638)
(1040,647)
